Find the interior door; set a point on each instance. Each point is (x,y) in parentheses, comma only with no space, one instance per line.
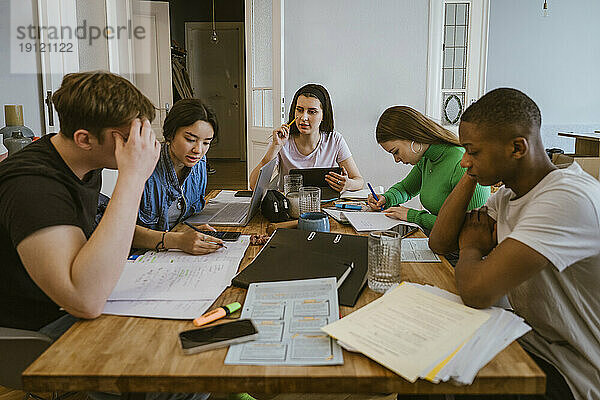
(55,65)
(152,57)
(264,75)
(217,78)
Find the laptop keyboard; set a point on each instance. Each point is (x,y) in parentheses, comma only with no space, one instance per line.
(233,212)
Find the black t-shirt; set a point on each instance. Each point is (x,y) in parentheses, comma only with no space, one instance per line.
(37,190)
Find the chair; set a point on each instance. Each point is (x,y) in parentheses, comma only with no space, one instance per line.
(18,349)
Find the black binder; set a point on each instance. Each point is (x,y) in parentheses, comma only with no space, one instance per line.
(297,254)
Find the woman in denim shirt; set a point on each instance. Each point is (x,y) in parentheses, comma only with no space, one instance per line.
(175,190)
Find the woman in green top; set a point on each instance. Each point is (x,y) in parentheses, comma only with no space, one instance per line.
(435,153)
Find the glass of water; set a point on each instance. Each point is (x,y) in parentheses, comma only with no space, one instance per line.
(310,199)
(292,183)
(384,268)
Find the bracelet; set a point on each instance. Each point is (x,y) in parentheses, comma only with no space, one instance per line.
(160,246)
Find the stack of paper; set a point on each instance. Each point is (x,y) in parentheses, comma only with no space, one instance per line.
(425,332)
(361,194)
(373,221)
(175,284)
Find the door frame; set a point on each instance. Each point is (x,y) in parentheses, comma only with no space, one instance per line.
(190,26)
(259,136)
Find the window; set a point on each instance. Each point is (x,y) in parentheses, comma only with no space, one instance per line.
(456,57)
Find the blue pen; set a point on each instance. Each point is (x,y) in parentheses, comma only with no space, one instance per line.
(348,206)
(373,193)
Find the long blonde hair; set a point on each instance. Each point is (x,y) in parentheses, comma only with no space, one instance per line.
(403,122)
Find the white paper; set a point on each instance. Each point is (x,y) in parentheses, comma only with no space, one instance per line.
(362,194)
(373,221)
(228,196)
(158,309)
(175,275)
(417,250)
(289,316)
(407,329)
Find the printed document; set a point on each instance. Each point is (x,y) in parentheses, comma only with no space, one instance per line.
(175,275)
(408,329)
(417,250)
(289,316)
(373,221)
(168,309)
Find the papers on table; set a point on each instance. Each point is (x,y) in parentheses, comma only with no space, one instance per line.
(173,309)
(417,250)
(289,315)
(228,196)
(156,284)
(338,215)
(373,221)
(421,331)
(361,194)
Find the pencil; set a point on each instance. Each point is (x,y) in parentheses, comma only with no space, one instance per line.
(290,124)
(198,230)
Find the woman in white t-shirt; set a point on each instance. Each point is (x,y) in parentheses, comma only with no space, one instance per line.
(311,142)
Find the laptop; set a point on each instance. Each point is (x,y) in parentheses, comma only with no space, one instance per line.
(236,213)
(316,177)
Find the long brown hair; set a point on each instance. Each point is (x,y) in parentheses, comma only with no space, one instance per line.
(403,122)
(320,93)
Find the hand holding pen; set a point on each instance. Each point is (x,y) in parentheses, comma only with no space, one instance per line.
(196,242)
(281,134)
(375,202)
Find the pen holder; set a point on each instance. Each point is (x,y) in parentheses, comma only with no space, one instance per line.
(314,221)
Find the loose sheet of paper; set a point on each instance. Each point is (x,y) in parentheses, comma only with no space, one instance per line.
(158,308)
(361,194)
(175,275)
(417,250)
(373,221)
(289,315)
(408,329)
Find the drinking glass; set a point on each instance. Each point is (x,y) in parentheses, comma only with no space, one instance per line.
(384,266)
(310,199)
(292,183)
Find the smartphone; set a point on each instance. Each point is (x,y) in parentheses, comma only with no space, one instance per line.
(212,337)
(226,236)
(243,193)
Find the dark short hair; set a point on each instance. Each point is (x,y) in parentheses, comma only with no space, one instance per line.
(504,106)
(186,112)
(327,122)
(98,100)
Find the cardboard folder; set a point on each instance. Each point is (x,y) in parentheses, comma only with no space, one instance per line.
(297,254)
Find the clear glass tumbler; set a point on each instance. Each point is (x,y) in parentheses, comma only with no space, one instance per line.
(310,199)
(385,266)
(292,183)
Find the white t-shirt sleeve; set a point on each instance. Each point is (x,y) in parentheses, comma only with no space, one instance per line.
(343,151)
(492,204)
(560,224)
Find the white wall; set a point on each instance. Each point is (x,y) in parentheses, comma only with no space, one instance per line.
(369,56)
(17,88)
(554,59)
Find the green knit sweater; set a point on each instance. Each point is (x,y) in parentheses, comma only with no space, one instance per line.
(434,177)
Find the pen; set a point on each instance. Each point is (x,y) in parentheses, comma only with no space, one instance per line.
(373,193)
(217,314)
(349,206)
(198,230)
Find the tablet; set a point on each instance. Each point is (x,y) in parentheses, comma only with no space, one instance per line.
(316,177)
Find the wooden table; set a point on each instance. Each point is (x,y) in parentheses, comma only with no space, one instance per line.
(128,355)
(586,144)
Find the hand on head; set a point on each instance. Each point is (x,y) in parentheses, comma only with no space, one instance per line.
(138,154)
(376,205)
(337,182)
